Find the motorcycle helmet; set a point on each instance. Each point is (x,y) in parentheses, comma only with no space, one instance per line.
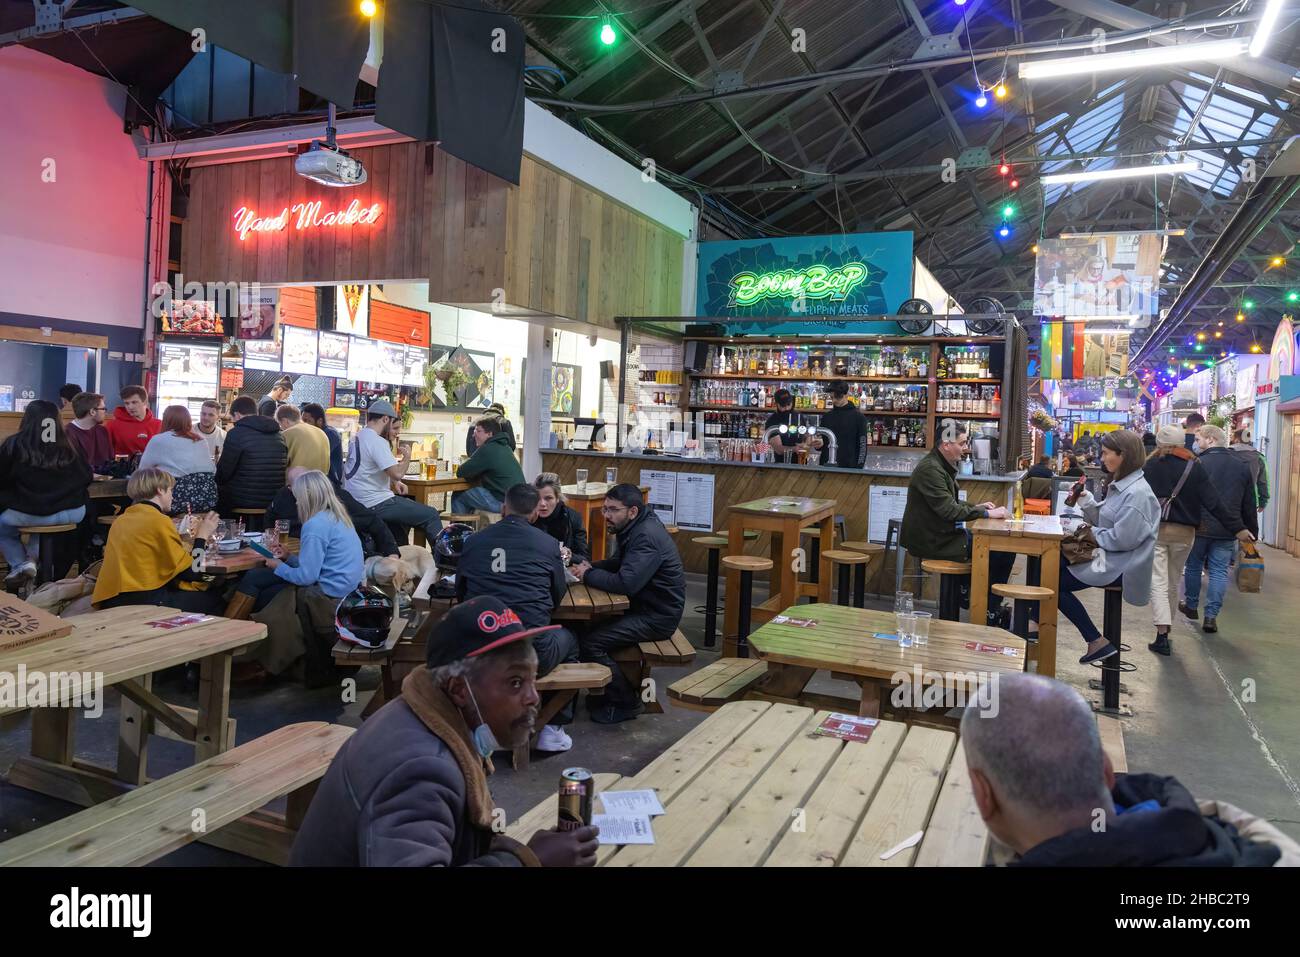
(450,544)
(364,617)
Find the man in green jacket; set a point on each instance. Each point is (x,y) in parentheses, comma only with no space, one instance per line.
(493,465)
(934,513)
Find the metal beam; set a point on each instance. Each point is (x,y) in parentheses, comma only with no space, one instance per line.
(87,21)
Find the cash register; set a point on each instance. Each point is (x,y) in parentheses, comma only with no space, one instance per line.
(587,434)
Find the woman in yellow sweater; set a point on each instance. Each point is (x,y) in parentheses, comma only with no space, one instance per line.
(145,561)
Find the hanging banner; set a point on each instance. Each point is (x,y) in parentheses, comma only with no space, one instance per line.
(1114,275)
(1281,357)
(1068,351)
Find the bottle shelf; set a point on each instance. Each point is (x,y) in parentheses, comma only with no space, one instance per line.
(987,416)
(770,409)
(756,377)
(952,380)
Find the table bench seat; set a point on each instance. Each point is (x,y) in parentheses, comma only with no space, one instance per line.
(562,684)
(635,661)
(712,686)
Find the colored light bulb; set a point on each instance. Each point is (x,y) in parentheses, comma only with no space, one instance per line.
(607,35)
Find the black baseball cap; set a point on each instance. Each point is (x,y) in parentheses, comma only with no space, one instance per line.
(474,628)
(783,397)
(838,387)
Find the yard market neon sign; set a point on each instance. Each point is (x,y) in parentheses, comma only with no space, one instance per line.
(304,216)
(813,282)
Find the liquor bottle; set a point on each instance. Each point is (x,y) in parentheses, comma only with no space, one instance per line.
(821,402)
(785,363)
(923,365)
(997,401)
(942,371)
(870,434)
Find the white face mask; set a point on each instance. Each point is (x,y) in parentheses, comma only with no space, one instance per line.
(484,740)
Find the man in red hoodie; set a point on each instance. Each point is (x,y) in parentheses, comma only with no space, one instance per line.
(133,423)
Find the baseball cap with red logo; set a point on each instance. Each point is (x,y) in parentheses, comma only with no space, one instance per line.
(474,628)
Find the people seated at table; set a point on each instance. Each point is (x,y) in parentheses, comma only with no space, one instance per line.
(145,560)
(133,423)
(374,477)
(43,482)
(646,568)
(492,466)
(1046,789)
(329,552)
(1043,469)
(520,564)
(494,411)
(67,392)
(209,427)
(376,538)
(1072,467)
(934,516)
(409,788)
(87,434)
(314,414)
(308,446)
(181,452)
(253,459)
(1124,525)
(559,521)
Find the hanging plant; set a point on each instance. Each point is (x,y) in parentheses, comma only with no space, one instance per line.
(1040,420)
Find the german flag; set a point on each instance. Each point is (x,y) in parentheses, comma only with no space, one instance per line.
(1062,350)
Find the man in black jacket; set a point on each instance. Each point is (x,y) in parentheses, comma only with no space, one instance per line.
(850,428)
(251,469)
(1215,542)
(520,565)
(1046,789)
(648,570)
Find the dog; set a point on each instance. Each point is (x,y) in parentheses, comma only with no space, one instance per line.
(405,573)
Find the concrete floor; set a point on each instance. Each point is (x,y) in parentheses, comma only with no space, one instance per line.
(1194,717)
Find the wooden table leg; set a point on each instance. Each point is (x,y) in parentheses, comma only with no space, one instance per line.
(134,727)
(52,734)
(731,587)
(826,569)
(871,694)
(1045,655)
(595,520)
(786,582)
(214,707)
(979,580)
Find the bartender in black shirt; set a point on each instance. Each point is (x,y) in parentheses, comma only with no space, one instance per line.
(784,415)
(850,428)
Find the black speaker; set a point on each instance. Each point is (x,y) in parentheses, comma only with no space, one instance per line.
(325,312)
(606,369)
(697,354)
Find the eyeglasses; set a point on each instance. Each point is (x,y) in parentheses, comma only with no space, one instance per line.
(101,408)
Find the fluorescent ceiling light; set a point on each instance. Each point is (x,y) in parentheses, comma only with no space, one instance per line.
(1156,232)
(1264,28)
(1129,172)
(1132,319)
(1179,53)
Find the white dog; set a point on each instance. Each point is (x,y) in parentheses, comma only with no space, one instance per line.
(405,574)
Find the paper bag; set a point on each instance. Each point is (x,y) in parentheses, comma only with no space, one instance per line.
(1250,569)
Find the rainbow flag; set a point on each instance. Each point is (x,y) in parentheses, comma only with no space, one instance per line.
(1062,350)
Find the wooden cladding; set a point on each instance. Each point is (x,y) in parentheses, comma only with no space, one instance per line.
(298,306)
(398,324)
(550,245)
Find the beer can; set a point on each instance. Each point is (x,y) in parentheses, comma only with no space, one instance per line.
(576,787)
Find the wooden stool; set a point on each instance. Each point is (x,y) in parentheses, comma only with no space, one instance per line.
(746,565)
(715,544)
(254,518)
(844,559)
(751,534)
(950,575)
(107,519)
(1021,595)
(45,547)
(871,550)
(671,529)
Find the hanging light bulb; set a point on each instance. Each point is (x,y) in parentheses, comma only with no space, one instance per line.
(981,101)
(607,35)
(1004,230)
(1004,169)
(369,8)
(1000,91)
(1277,262)
(1241,317)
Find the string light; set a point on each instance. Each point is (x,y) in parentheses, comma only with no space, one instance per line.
(1277,262)
(1241,317)
(1000,91)
(369,8)
(607,35)
(1004,230)
(1004,169)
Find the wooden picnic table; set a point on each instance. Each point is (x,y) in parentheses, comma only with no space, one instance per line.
(234,563)
(120,645)
(585,603)
(842,642)
(784,517)
(751,786)
(1039,537)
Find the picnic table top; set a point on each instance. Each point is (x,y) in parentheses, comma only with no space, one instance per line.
(785,505)
(1033,526)
(583,603)
(734,786)
(843,640)
(120,644)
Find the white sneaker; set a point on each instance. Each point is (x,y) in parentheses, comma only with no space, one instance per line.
(553,738)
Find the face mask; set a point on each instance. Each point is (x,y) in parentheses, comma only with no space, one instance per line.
(484,740)
(1196,445)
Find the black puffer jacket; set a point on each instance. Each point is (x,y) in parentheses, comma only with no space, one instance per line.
(530,580)
(41,491)
(251,468)
(1196,499)
(1232,481)
(647,569)
(565,526)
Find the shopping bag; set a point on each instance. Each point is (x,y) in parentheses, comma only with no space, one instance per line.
(1250,569)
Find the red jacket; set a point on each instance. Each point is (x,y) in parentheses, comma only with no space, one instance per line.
(129,435)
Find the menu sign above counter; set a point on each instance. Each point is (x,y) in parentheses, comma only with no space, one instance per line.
(332,354)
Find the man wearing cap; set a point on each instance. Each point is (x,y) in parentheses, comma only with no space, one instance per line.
(783,442)
(849,426)
(374,476)
(497,411)
(409,789)
(279,393)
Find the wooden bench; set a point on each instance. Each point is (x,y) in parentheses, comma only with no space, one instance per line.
(348,655)
(1112,742)
(562,684)
(712,686)
(635,661)
(157,818)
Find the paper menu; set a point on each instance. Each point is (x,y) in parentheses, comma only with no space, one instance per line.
(644,801)
(624,828)
(847,727)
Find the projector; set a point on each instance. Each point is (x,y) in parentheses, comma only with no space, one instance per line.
(329,166)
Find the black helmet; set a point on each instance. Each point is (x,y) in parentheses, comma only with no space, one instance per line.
(364,617)
(450,544)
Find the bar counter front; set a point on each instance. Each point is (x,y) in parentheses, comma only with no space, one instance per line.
(855,491)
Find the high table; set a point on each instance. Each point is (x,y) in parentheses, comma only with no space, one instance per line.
(842,640)
(784,517)
(1038,536)
(421,489)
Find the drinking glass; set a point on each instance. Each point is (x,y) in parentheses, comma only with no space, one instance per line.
(270,537)
(906,627)
(611,476)
(921,627)
(282,528)
(582,480)
(902,601)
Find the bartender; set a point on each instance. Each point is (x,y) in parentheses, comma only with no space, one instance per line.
(784,415)
(849,426)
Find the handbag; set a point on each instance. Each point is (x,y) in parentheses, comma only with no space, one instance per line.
(1167,503)
(1078,546)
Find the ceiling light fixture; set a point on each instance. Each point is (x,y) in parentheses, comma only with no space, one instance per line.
(1264,29)
(1177,54)
(1127,172)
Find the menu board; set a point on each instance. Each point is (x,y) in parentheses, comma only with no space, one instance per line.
(187,375)
(332,354)
(191,317)
(262,354)
(885,502)
(663,493)
(391,362)
(417,358)
(299,350)
(363,363)
(694,507)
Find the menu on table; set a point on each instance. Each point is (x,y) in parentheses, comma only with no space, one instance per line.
(262,355)
(299,350)
(332,354)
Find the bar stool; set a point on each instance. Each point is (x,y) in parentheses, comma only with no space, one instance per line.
(1112,614)
(843,559)
(871,550)
(1022,596)
(254,518)
(950,576)
(751,534)
(715,544)
(815,533)
(45,544)
(746,565)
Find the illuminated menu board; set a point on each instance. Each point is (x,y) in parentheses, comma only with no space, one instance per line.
(299,350)
(363,362)
(332,354)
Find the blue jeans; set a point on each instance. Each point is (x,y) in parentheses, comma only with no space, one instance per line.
(1218,551)
(1069,605)
(472,498)
(11,542)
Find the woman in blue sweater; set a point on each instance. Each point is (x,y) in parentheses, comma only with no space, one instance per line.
(329,552)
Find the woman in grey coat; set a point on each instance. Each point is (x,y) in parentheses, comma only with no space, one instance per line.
(1125,525)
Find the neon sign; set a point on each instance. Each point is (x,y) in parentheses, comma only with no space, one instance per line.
(304,216)
(812,282)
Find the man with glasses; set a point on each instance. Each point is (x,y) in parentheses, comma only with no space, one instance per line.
(374,476)
(87,434)
(648,570)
